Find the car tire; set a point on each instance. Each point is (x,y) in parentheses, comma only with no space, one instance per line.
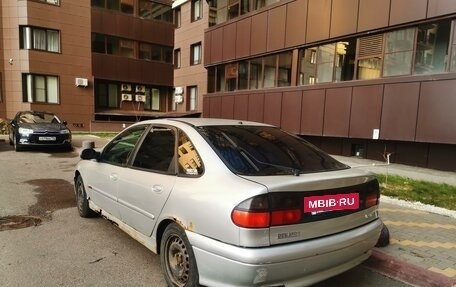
(17,147)
(177,259)
(82,202)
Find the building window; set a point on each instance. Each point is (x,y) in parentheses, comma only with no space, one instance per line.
(197,10)
(192,96)
(432,47)
(177,17)
(398,52)
(34,38)
(152,99)
(195,54)
(107,95)
(40,88)
(284,70)
(177,58)
(124,6)
(155,11)
(327,63)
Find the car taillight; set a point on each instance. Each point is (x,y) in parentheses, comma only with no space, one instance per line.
(372,194)
(257,212)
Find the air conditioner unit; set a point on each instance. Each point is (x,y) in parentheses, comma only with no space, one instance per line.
(178,90)
(126,88)
(140,98)
(126,97)
(140,89)
(178,99)
(81,82)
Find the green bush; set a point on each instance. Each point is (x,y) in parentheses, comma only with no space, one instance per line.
(3,127)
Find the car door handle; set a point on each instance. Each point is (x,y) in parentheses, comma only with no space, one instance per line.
(113,176)
(157,188)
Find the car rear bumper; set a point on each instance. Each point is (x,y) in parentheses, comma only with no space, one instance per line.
(295,264)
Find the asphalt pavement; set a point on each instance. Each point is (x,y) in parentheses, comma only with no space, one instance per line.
(422,249)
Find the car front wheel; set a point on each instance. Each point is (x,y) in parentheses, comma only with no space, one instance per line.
(177,258)
(81,199)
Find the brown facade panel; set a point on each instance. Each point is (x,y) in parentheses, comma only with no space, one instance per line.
(332,145)
(229,42)
(403,11)
(207,107)
(442,157)
(227,107)
(207,48)
(259,35)
(313,105)
(272,108)
(373,14)
(440,7)
(256,107)
(276,28)
(216,45)
(243,37)
(366,111)
(436,115)
(400,108)
(215,107)
(377,149)
(344,17)
(318,20)
(415,154)
(296,24)
(337,112)
(241,105)
(291,111)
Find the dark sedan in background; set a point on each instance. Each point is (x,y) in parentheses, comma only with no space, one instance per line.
(42,129)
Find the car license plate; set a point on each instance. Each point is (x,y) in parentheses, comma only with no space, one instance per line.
(47,138)
(324,203)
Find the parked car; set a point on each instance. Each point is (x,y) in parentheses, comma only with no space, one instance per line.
(42,129)
(231,203)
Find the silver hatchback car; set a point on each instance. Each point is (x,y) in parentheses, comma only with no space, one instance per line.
(231,203)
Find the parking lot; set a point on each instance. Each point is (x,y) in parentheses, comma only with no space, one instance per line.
(62,249)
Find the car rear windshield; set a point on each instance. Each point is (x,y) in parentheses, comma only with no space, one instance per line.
(262,150)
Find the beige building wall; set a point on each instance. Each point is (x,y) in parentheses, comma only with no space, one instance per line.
(188,75)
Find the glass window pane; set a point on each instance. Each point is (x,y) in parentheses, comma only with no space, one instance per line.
(112,46)
(325,63)
(39,39)
(113,95)
(220,82)
(118,150)
(112,4)
(345,60)
(157,150)
(432,47)
(211,79)
(156,53)
(269,79)
(155,99)
(53,41)
(98,43)
(284,69)
(398,52)
(145,52)
(308,65)
(243,80)
(40,89)
(52,90)
(369,68)
(255,73)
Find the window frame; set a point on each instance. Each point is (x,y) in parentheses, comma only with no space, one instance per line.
(196,10)
(196,60)
(27,40)
(30,88)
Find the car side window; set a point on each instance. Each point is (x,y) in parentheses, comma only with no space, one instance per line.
(190,163)
(157,150)
(118,150)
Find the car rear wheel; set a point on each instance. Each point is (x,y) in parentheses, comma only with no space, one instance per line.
(81,200)
(177,258)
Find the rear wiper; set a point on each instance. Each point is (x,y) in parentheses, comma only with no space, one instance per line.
(248,156)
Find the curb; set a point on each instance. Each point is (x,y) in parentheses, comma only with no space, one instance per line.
(406,272)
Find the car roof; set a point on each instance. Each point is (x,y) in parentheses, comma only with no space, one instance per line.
(199,122)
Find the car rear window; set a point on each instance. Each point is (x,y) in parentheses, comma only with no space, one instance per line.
(262,150)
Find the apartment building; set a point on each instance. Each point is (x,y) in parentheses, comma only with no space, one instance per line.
(374,79)
(99,64)
(191,18)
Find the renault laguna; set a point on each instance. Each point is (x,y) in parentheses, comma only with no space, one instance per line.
(231,203)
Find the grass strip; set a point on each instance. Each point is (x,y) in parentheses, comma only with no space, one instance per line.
(437,194)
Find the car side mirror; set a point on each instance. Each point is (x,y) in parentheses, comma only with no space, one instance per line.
(89,154)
